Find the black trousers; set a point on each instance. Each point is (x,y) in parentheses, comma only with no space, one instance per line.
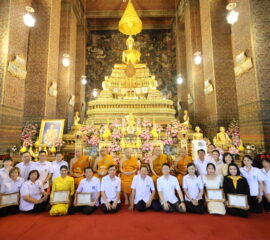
(83,209)
(105,210)
(195,209)
(38,208)
(266,204)
(155,205)
(254,205)
(237,212)
(173,207)
(5,211)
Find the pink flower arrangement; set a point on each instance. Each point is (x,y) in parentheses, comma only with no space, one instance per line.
(58,142)
(233,133)
(28,142)
(174,128)
(115,124)
(146,124)
(146,147)
(168,141)
(145,135)
(116,135)
(114,147)
(29,134)
(94,141)
(89,130)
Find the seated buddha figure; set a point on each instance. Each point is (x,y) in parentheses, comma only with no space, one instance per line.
(197,135)
(131,124)
(222,139)
(131,55)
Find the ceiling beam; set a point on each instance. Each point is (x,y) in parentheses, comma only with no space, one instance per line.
(141,13)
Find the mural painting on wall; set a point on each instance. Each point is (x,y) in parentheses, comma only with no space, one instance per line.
(157,48)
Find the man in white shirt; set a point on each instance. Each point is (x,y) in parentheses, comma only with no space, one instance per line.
(143,192)
(57,164)
(44,168)
(167,185)
(201,163)
(110,191)
(26,165)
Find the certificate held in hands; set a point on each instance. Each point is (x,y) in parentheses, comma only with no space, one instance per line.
(83,199)
(60,197)
(11,199)
(215,195)
(238,201)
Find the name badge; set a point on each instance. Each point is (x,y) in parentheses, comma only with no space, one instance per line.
(147,186)
(254,177)
(197,184)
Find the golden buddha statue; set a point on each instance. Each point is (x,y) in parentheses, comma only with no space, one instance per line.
(77,119)
(222,139)
(197,135)
(186,118)
(154,132)
(131,124)
(106,134)
(131,55)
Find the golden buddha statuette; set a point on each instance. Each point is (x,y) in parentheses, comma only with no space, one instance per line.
(197,135)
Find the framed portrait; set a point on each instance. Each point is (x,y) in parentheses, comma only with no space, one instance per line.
(51,131)
(238,201)
(83,198)
(60,197)
(215,195)
(11,199)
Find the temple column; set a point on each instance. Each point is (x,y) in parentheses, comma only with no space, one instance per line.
(43,61)
(195,83)
(66,75)
(251,34)
(13,42)
(221,104)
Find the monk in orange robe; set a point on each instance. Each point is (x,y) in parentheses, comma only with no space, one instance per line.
(156,162)
(128,167)
(102,163)
(77,166)
(180,164)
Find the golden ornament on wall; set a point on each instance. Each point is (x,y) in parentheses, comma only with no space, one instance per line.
(17,67)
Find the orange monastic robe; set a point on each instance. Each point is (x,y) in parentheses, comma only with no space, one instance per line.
(128,166)
(157,165)
(182,166)
(103,164)
(78,167)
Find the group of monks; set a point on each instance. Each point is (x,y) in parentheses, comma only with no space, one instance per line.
(129,166)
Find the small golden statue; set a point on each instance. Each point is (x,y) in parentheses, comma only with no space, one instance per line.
(197,135)
(130,124)
(186,118)
(154,133)
(77,119)
(131,55)
(222,139)
(106,134)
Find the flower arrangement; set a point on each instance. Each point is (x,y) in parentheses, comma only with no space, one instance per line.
(114,147)
(233,133)
(146,124)
(29,134)
(145,135)
(116,135)
(94,140)
(174,128)
(159,128)
(59,143)
(88,131)
(168,141)
(147,147)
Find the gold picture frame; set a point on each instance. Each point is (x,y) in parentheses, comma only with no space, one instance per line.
(232,198)
(50,131)
(11,199)
(215,195)
(82,197)
(60,197)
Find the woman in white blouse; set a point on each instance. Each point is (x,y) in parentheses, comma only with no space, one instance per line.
(213,181)
(193,188)
(11,185)
(266,188)
(33,198)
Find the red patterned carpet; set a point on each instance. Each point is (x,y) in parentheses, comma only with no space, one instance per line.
(134,226)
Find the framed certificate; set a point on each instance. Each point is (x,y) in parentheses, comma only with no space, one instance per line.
(60,197)
(10,199)
(238,201)
(83,199)
(215,195)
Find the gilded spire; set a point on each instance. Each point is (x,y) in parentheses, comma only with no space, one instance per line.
(130,23)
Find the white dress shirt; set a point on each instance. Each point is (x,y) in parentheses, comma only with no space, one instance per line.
(201,166)
(90,186)
(253,176)
(56,168)
(143,188)
(4,174)
(168,185)
(25,169)
(44,168)
(111,187)
(34,190)
(10,186)
(193,185)
(266,176)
